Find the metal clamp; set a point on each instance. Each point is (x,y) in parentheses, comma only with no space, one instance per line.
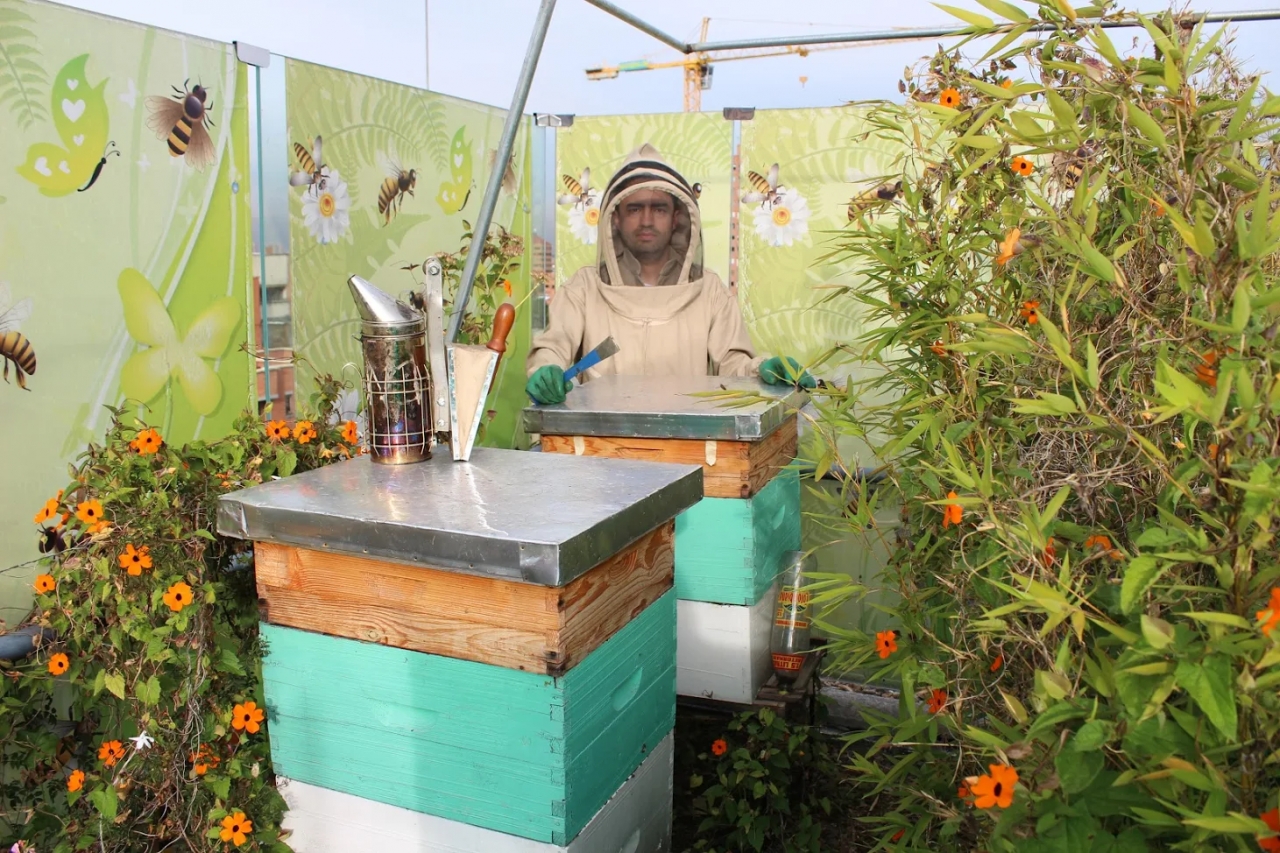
(434,274)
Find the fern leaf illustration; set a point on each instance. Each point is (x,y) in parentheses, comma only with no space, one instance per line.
(24,84)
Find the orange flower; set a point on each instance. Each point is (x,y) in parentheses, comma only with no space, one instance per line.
(1271,819)
(236,828)
(1158,207)
(1022,166)
(1206,371)
(95,529)
(59,664)
(1213,453)
(203,760)
(247,716)
(110,752)
(1007,84)
(886,643)
(963,792)
(1270,617)
(937,701)
(303,431)
(949,98)
(45,583)
(997,663)
(897,836)
(1011,245)
(1050,553)
(49,510)
(135,560)
(938,349)
(179,596)
(90,512)
(277,430)
(506,286)
(1030,312)
(147,442)
(1099,541)
(995,789)
(951,512)
(350,433)
(719,747)
(75,781)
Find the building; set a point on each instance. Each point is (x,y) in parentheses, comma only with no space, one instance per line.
(276,370)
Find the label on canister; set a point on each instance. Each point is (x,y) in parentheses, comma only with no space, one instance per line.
(787,663)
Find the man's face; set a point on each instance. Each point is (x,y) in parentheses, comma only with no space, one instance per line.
(646,220)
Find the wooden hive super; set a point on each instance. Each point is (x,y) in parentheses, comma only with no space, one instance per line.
(728,546)
(452,651)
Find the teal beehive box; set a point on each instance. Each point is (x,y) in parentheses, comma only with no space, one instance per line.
(441,643)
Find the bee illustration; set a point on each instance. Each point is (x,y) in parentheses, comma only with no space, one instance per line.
(875,197)
(97,170)
(765,187)
(314,170)
(181,119)
(13,345)
(397,185)
(579,190)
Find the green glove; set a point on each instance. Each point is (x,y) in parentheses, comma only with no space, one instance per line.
(774,372)
(547,386)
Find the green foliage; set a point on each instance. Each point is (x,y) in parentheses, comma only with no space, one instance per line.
(767,789)
(1075,308)
(499,263)
(23,81)
(156,618)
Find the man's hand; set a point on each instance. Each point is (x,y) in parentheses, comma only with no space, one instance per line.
(547,386)
(776,371)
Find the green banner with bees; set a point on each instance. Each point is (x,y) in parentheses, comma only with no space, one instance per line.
(588,152)
(382,177)
(124,247)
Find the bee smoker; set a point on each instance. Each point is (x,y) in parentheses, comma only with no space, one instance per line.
(397,384)
(790,638)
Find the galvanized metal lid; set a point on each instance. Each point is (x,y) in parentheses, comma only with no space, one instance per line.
(531,517)
(381,313)
(665,407)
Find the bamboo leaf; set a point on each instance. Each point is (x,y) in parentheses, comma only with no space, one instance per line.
(1093,374)
(1145,124)
(1006,10)
(1103,43)
(1242,112)
(972,18)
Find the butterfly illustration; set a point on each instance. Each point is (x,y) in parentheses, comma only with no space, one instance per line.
(170,355)
(454,194)
(81,120)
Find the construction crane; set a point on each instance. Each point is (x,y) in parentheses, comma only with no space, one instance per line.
(698,67)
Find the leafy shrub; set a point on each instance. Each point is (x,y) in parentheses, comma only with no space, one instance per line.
(1074,305)
(141,724)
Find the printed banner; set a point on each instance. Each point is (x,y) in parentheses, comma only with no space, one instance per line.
(698,145)
(124,247)
(800,171)
(397,176)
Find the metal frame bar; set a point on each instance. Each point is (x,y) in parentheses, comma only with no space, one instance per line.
(624,15)
(480,234)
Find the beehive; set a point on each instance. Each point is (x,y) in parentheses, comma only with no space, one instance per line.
(728,547)
(440,644)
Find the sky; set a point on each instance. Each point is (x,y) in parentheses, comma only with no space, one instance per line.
(476,46)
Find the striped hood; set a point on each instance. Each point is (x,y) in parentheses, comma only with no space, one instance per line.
(645,169)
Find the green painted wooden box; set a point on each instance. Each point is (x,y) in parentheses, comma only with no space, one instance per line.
(728,550)
(526,754)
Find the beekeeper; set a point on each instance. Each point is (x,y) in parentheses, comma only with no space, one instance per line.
(668,314)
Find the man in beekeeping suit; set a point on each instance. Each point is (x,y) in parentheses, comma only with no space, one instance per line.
(648,289)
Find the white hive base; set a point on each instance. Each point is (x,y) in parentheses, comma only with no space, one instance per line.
(722,650)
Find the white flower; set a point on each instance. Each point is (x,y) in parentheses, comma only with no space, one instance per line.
(785,220)
(326,212)
(142,741)
(584,217)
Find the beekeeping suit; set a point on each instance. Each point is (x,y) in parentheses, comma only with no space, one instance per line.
(686,323)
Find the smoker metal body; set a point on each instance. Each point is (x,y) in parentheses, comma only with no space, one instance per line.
(397,383)
(665,407)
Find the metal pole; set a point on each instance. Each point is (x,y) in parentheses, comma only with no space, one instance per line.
(480,233)
(935,32)
(624,15)
(426,44)
(262,250)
